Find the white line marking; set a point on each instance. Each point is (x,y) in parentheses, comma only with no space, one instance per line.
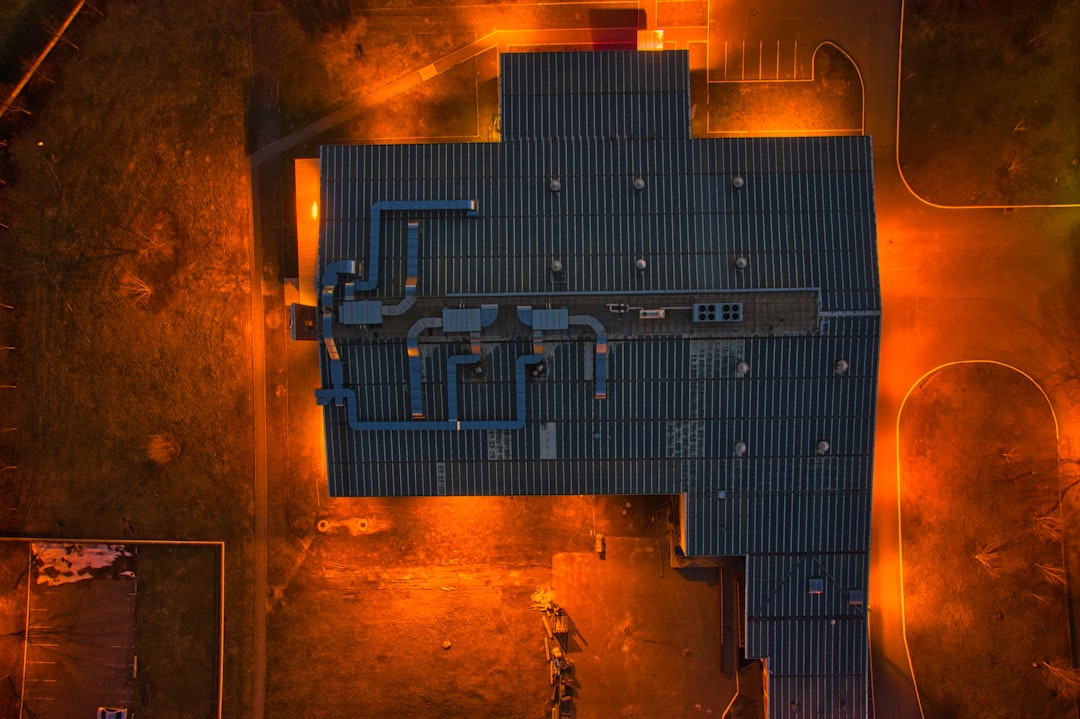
(26,628)
(850,313)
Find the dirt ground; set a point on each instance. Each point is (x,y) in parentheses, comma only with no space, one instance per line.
(367,611)
(426,607)
(982,545)
(646,638)
(988,102)
(177,630)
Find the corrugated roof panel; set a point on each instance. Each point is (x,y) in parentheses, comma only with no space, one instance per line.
(842,696)
(570,96)
(779,585)
(813,647)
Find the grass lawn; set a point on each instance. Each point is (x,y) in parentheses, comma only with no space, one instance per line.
(989,100)
(985,601)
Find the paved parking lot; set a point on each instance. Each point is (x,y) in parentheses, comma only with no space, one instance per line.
(80,635)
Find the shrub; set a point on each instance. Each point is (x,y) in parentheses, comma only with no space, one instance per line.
(162,448)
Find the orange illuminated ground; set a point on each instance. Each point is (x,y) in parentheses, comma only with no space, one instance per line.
(307,226)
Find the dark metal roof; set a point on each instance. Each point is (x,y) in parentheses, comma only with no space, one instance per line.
(802,218)
(607,95)
(844,696)
(576,310)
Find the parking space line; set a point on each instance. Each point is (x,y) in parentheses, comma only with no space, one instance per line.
(26,630)
(30,685)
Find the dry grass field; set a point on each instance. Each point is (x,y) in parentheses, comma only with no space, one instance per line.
(984,584)
(988,102)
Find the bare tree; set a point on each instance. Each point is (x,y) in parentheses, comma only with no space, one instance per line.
(162,448)
(989,556)
(1053,573)
(1062,677)
(135,287)
(1050,527)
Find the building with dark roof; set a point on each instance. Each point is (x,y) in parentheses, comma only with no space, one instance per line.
(601,304)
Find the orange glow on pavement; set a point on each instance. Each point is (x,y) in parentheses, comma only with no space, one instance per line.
(307,224)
